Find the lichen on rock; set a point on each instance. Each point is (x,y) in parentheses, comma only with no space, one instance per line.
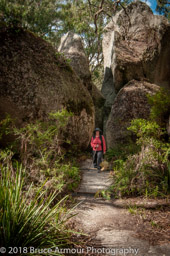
(135,46)
(35,81)
(136,53)
(130,103)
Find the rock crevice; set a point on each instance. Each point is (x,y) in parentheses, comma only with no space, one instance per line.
(72,47)
(136,48)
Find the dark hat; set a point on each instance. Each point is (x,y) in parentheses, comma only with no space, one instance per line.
(97,129)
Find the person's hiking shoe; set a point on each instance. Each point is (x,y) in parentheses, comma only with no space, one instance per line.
(98,170)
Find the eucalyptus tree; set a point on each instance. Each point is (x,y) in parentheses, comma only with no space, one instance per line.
(163,7)
(51,19)
(39,16)
(88,18)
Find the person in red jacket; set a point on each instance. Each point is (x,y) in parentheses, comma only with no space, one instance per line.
(98,145)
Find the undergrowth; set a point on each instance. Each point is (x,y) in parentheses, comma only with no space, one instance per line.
(143,168)
(38,146)
(29,223)
(35,184)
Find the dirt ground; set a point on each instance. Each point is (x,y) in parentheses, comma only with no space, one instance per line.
(133,226)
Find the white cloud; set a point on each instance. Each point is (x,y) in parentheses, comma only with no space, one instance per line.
(147,2)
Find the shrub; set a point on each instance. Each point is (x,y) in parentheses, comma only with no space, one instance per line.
(41,139)
(145,128)
(63,177)
(160,105)
(41,153)
(5,125)
(25,223)
(33,218)
(145,173)
(122,151)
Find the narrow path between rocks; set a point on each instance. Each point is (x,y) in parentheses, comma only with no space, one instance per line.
(109,223)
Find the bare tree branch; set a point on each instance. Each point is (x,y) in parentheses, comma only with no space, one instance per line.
(97,15)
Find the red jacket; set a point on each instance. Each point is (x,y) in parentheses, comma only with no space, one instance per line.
(96,144)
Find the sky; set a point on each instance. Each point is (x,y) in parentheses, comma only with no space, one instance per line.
(152,4)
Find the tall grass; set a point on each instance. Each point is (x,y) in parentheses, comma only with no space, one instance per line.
(23,223)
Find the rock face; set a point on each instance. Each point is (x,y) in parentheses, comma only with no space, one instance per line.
(130,103)
(136,49)
(72,47)
(135,46)
(36,80)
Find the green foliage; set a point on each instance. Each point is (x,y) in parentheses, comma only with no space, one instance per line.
(122,179)
(133,209)
(43,139)
(163,7)
(38,16)
(122,151)
(145,173)
(144,130)
(5,125)
(149,135)
(39,148)
(35,210)
(6,158)
(51,19)
(103,194)
(25,223)
(79,18)
(144,180)
(62,177)
(160,106)
(88,19)
(98,75)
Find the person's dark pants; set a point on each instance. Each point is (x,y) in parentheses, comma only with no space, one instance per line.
(97,159)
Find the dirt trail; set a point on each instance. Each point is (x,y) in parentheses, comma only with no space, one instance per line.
(109,222)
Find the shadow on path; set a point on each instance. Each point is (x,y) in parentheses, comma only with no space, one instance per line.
(108,221)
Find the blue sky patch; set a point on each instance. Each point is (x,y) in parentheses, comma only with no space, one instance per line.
(152,4)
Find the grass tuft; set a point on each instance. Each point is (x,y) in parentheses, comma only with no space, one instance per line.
(23,223)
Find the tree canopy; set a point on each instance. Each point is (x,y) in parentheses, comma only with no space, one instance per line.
(51,19)
(163,7)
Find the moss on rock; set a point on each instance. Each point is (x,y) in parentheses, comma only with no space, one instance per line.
(35,82)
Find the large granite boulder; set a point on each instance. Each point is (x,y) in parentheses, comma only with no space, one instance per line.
(36,80)
(130,103)
(72,47)
(135,46)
